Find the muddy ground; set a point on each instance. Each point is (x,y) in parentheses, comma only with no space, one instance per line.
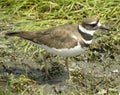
(97,71)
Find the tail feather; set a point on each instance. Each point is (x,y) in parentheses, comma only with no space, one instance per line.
(24,35)
(12,33)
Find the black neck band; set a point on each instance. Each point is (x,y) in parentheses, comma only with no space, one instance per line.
(85,36)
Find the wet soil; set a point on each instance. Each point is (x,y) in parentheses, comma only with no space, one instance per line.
(95,71)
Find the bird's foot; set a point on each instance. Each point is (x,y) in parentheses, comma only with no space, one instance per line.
(47,77)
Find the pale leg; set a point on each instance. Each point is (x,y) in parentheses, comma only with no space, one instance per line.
(46,69)
(67,66)
(46,66)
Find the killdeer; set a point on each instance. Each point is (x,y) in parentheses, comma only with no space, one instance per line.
(65,40)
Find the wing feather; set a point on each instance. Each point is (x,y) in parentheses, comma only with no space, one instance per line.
(55,37)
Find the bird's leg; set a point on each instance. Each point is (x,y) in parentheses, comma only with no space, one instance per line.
(47,76)
(67,67)
(46,69)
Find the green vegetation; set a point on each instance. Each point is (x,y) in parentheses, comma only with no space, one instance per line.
(20,62)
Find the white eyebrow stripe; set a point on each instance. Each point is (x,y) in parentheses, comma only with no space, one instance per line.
(94,22)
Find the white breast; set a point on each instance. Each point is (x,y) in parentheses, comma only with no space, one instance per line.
(64,51)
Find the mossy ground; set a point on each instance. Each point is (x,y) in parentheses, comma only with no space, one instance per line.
(97,71)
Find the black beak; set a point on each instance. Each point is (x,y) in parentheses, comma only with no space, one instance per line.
(104,28)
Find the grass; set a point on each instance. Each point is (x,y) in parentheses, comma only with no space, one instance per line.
(41,14)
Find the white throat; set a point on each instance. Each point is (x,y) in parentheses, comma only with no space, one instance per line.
(82,29)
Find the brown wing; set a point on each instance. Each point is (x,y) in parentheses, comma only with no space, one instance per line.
(55,37)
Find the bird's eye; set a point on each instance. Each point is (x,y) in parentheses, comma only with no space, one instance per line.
(93,25)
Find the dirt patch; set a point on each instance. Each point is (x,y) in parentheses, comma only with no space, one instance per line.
(96,71)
